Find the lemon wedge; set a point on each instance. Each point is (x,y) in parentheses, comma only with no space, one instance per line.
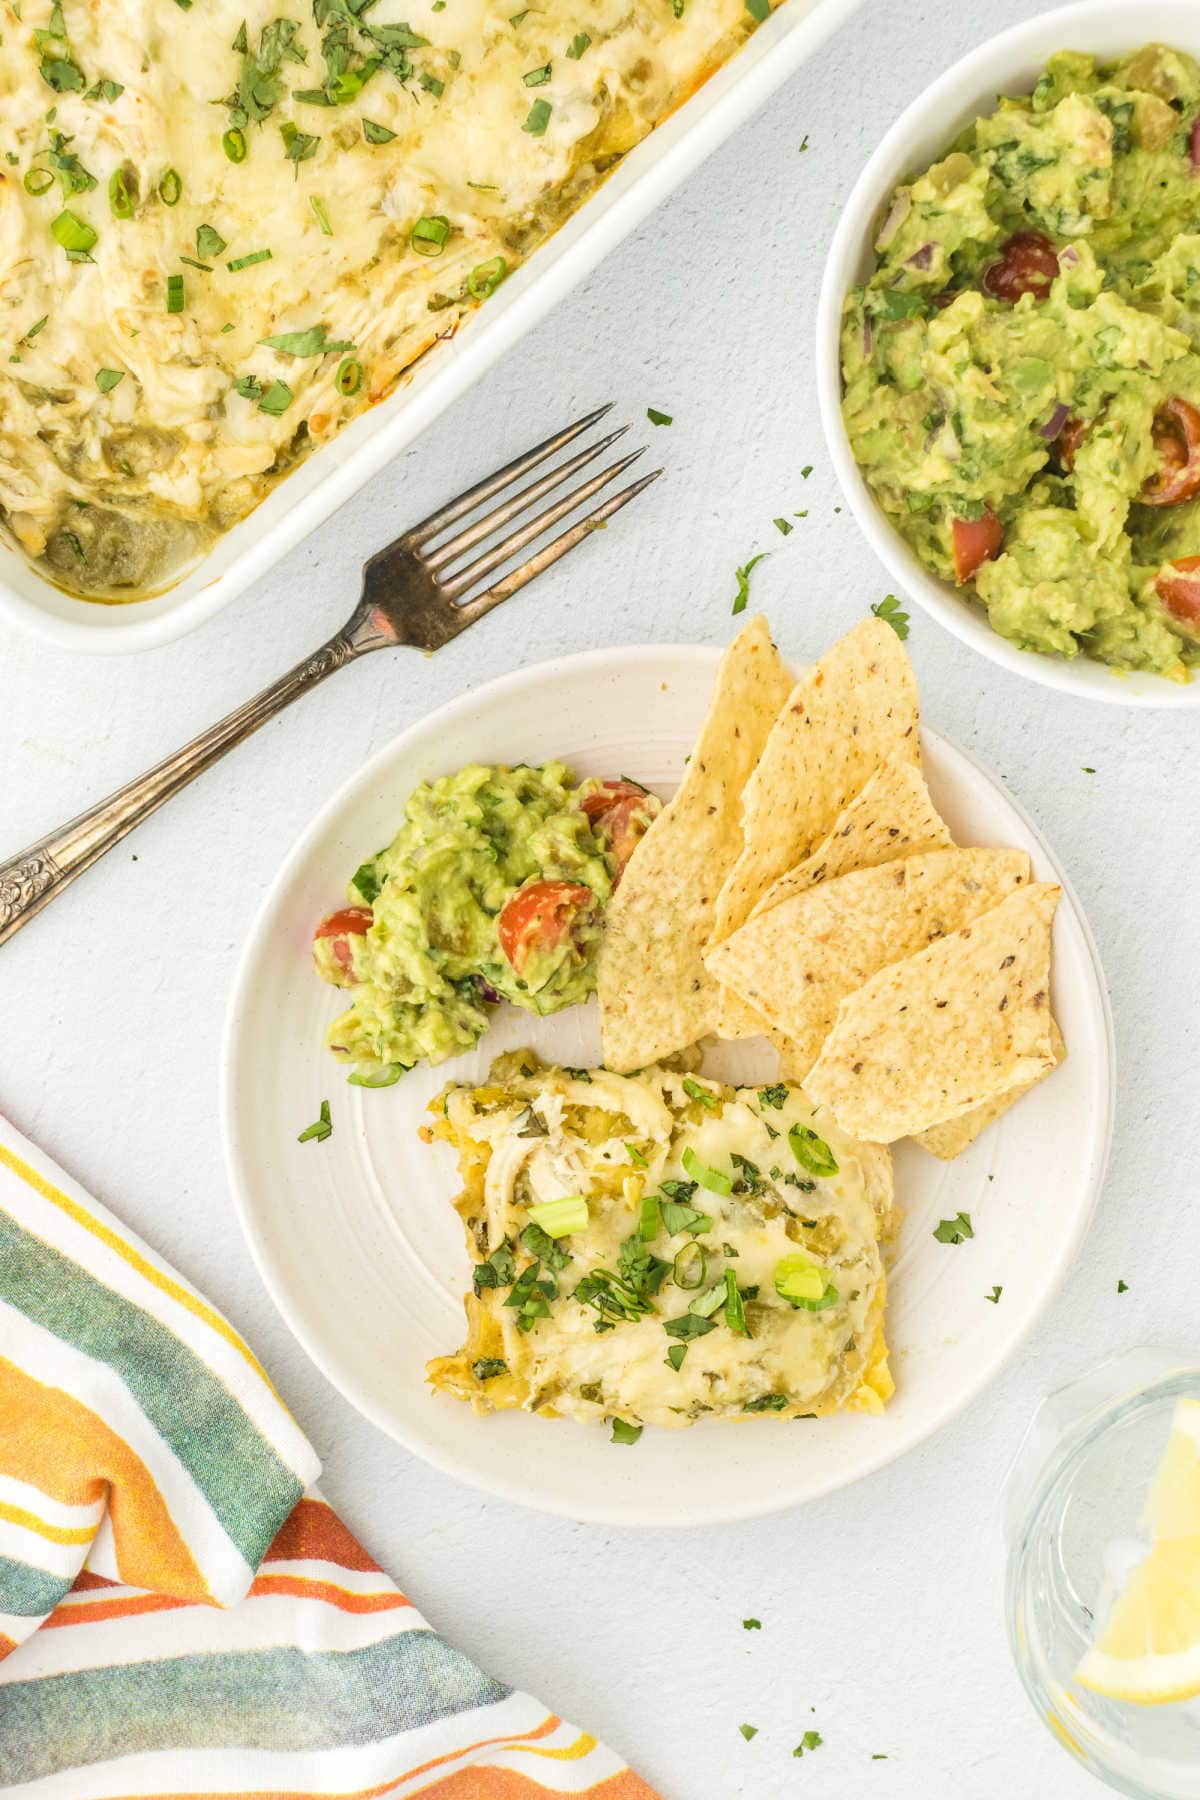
(1149,1650)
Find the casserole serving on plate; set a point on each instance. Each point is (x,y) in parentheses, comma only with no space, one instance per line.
(224,240)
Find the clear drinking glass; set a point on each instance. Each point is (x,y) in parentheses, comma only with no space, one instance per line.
(1074,1505)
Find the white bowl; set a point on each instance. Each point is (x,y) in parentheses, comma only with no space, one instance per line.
(1006,64)
(324,480)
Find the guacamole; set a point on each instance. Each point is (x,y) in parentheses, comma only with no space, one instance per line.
(1022,369)
(493,889)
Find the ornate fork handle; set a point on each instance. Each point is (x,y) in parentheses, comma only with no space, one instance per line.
(36,875)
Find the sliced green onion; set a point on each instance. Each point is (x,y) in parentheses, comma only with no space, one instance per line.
(234,145)
(811,1151)
(649,1221)
(623,1433)
(694,1091)
(209,242)
(735,1312)
(803,1284)
(560,1218)
(320,1128)
(248,262)
(429,235)
(349,377)
(709,1303)
(388,1076)
(107,379)
(486,277)
(539,118)
(204,268)
(322,216)
(174,293)
(170,188)
(690,1266)
(537,77)
(38,181)
(712,1179)
(122,195)
(636,1157)
(72,232)
(38,325)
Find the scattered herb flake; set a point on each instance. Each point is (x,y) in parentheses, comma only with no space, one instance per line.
(1122,1287)
(578,45)
(748,1731)
(784,526)
(954,1231)
(376,134)
(624,1433)
(743,582)
(810,1741)
(751,1624)
(806,471)
(658,418)
(248,262)
(538,119)
(994,1296)
(107,379)
(892,613)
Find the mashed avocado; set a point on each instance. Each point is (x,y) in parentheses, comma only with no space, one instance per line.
(493,888)
(1022,369)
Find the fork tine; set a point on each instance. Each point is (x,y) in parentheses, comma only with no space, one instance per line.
(496,554)
(470,610)
(500,515)
(492,484)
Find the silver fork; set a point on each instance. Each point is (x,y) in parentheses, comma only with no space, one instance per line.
(417,591)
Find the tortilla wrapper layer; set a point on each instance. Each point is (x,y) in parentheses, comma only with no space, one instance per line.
(798,962)
(655,994)
(946,1030)
(952,1138)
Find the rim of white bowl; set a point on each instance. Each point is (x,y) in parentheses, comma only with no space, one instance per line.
(935,114)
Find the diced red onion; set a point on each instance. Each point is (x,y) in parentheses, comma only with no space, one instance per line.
(487,991)
(901,207)
(922,258)
(868,335)
(1069,256)
(1054,423)
(1194,144)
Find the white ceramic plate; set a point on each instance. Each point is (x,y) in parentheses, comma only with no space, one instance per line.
(1008,64)
(356,1239)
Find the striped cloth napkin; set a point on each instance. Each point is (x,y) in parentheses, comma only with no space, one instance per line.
(181,1613)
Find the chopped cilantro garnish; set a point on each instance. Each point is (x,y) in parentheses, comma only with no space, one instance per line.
(743,582)
(538,119)
(751,1624)
(376,134)
(748,1731)
(636,1157)
(578,45)
(208,241)
(624,1433)
(783,526)
(759,9)
(892,613)
(810,1741)
(537,77)
(320,1128)
(488,1367)
(774,1095)
(311,342)
(107,379)
(498,1271)
(298,146)
(658,418)
(766,1403)
(688,1325)
(675,1356)
(954,1231)
(1122,1287)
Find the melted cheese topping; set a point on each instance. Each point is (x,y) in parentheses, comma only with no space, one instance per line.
(526,1138)
(492,131)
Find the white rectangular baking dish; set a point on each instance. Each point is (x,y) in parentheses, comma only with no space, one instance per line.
(320,484)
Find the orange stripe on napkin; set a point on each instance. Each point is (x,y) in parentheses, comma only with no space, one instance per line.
(57,1444)
(313,1533)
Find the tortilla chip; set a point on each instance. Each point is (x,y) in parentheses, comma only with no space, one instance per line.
(946,1030)
(796,964)
(892,816)
(846,715)
(950,1140)
(655,994)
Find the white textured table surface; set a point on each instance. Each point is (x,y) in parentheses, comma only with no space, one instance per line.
(880,1607)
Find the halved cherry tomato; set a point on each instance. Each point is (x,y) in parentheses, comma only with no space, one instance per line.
(1067,443)
(620,812)
(340,927)
(1176,434)
(1178,587)
(1028,264)
(539,916)
(975,542)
